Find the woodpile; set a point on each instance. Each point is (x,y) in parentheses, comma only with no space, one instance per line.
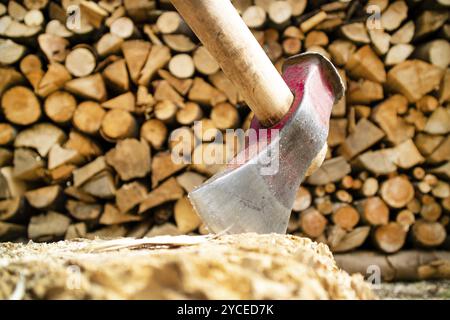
(96,96)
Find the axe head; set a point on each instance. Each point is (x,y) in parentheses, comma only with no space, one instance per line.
(257,190)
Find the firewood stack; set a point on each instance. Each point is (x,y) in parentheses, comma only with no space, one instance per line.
(95,95)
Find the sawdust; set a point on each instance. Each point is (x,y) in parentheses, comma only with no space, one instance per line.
(247,266)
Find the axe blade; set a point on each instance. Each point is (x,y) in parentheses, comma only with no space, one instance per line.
(257,196)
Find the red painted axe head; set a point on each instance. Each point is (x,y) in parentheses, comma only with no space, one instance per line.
(256,192)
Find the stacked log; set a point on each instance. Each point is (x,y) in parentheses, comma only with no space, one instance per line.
(97,97)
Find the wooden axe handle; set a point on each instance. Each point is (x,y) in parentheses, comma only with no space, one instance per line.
(222,31)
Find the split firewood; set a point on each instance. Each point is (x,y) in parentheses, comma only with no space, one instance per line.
(139,10)
(93,12)
(291,46)
(444,89)
(45,198)
(312,223)
(352,239)
(170,190)
(331,171)
(356,32)
(85,146)
(101,186)
(365,135)
(210,158)
(302,200)
(83,211)
(123,27)
(340,51)
(428,22)
(166,111)
(163,167)
(158,57)
(125,101)
(83,174)
(54,79)
(390,237)
(380,40)
(414,79)
(364,63)
(118,124)
(135,53)
(254,17)
(428,234)
(204,93)
(165,93)
(370,187)
(279,13)
(337,132)
(225,116)
(364,92)
(182,86)
(20,106)
(397,191)
(16,187)
(89,87)
(185,216)
(49,226)
(41,137)
(441,190)
(80,62)
(398,53)
(130,167)
(144,100)
(404,34)
(182,66)
(54,47)
(427,143)
(394,15)
(88,117)
(373,211)
(405,218)
(116,75)
(28,165)
(313,21)
(438,122)
(130,195)
(112,216)
(155,132)
(407,155)
(189,113)
(11,52)
(189,180)
(441,153)
(171,22)
(204,62)
(79,194)
(345,216)
(179,42)
(60,106)
(427,104)
(221,82)
(9,78)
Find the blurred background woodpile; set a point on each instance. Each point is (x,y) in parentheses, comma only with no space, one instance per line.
(91,92)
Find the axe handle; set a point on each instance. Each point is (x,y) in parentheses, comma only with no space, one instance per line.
(222,31)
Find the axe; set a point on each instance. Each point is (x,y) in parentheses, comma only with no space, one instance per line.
(292,114)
